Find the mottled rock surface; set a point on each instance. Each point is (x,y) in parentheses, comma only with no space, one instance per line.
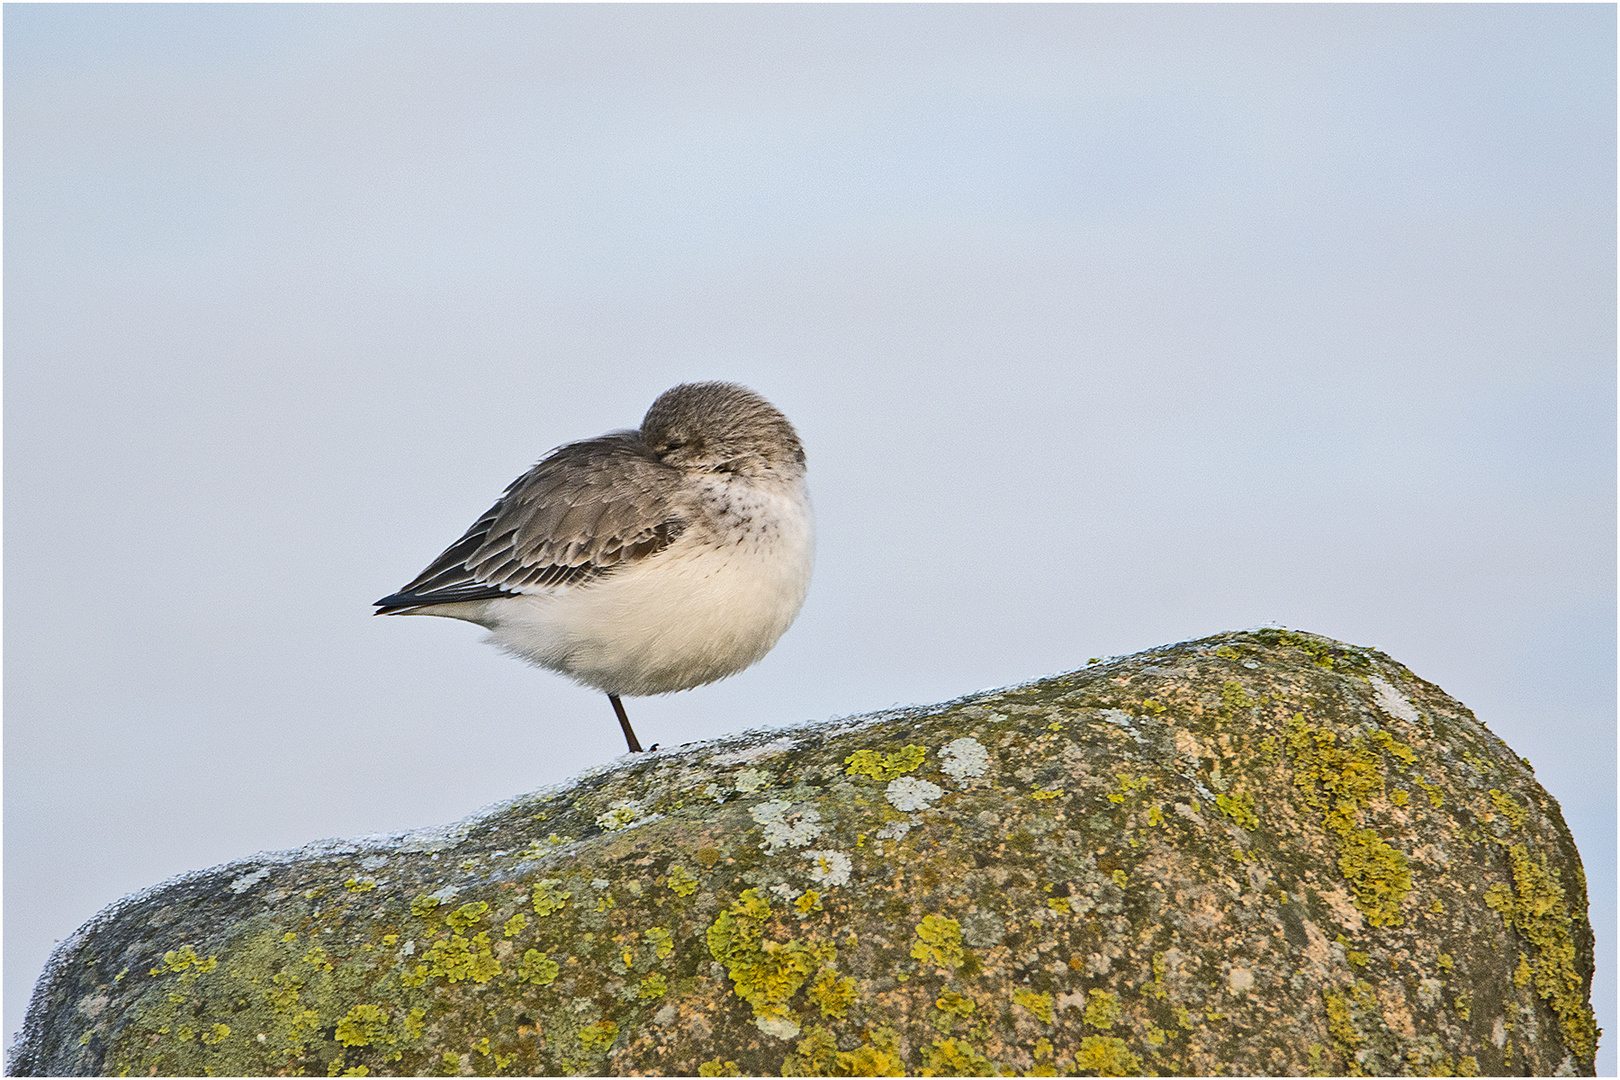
(1262,852)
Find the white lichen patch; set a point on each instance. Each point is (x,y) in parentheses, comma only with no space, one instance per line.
(778,1027)
(1241,980)
(828,868)
(373,862)
(247,881)
(750,780)
(621,814)
(1429,992)
(964,758)
(908,793)
(786,827)
(784,890)
(894,830)
(1393,702)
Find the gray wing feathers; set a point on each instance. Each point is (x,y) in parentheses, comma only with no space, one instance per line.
(587,509)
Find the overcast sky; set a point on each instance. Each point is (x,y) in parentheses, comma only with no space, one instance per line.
(1103,327)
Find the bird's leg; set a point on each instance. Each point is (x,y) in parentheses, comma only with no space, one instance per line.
(624,722)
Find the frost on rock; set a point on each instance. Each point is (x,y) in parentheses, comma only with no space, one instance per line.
(1392,702)
(754,753)
(786,827)
(908,793)
(828,867)
(964,758)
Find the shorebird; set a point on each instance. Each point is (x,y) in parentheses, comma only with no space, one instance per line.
(641,561)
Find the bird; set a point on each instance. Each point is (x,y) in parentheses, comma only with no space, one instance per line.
(644,561)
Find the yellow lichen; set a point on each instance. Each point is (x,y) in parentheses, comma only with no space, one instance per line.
(1340,780)
(766,974)
(1102,1009)
(817,1054)
(537,967)
(466,915)
(1239,807)
(832,993)
(1508,808)
(953,1057)
(885,767)
(549,898)
(362,1025)
(1106,1056)
(681,881)
(939,941)
(718,1067)
(1038,1003)
(1537,908)
(182,959)
(662,941)
(598,1036)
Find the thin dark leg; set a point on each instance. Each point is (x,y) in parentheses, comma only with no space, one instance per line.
(624,722)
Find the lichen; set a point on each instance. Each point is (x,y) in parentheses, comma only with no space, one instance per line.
(1340,781)
(1105,1055)
(1538,909)
(939,941)
(1105,928)
(885,767)
(764,973)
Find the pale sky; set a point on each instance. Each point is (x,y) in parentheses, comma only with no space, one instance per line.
(1103,327)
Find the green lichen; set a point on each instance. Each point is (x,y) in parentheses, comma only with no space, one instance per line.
(597,1037)
(885,767)
(653,987)
(457,958)
(1233,697)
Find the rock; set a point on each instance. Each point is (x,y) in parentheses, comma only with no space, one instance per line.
(1262,852)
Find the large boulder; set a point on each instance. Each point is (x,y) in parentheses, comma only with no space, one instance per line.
(1262,852)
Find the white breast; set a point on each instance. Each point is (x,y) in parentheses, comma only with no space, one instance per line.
(708,606)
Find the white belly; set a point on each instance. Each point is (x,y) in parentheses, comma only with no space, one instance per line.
(694,613)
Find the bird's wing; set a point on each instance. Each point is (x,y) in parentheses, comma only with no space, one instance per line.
(586,510)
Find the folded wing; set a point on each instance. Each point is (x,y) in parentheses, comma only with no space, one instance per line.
(588,509)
